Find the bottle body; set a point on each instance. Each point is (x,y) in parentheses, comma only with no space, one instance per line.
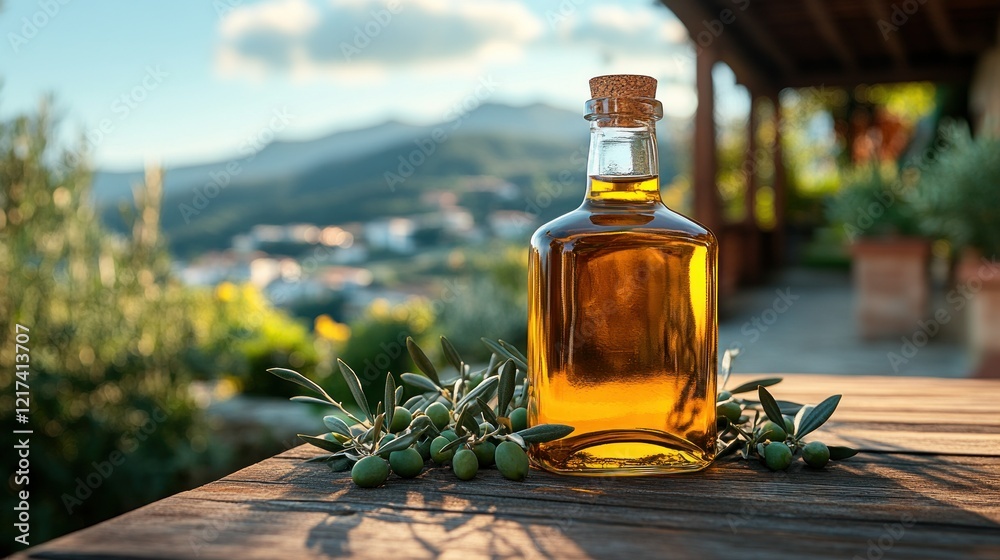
(622,334)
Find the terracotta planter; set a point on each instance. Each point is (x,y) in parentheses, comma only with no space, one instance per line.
(978,282)
(891,285)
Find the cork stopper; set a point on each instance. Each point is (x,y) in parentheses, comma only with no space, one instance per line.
(622,86)
(622,100)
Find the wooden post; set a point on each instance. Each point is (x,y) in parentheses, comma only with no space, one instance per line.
(780,196)
(750,165)
(751,233)
(706,207)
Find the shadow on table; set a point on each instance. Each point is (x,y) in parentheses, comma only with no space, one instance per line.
(877,505)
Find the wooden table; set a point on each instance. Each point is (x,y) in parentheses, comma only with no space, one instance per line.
(926,486)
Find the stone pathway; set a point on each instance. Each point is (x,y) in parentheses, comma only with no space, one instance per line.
(803,322)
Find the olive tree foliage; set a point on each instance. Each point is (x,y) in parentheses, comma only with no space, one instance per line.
(110,335)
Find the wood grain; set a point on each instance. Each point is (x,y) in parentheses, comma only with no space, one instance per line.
(928,486)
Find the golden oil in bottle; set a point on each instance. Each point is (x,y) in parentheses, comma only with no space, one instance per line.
(622,333)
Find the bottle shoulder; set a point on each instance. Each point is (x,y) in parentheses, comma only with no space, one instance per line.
(658,221)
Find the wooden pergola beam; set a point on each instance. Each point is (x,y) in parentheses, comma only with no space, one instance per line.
(824,24)
(893,44)
(748,70)
(759,35)
(941,23)
(956,73)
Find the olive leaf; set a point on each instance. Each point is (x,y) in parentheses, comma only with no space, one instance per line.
(340,464)
(788,407)
(817,416)
(412,402)
(379,423)
(296,377)
(494,362)
(727,364)
(452,355)
(461,440)
(799,416)
(838,452)
(467,422)
(513,350)
(420,382)
(751,385)
(311,400)
(355,386)
(322,442)
(404,440)
(351,455)
(516,439)
(338,426)
(484,390)
(423,363)
(488,413)
(545,432)
(398,397)
(505,422)
(505,390)
(770,407)
(420,423)
(320,458)
(503,352)
(730,449)
(389,399)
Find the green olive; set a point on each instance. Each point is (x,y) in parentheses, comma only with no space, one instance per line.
(816,454)
(385,439)
(424,448)
(450,434)
(407,463)
(485,428)
(729,410)
(770,430)
(475,379)
(400,420)
(439,415)
(789,424)
(486,453)
(519,419)
(370,472)
(777,456)
(723,396)
(512,461)
(436,453)
(465,464)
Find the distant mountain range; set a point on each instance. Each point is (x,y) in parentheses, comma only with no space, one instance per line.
(343,177)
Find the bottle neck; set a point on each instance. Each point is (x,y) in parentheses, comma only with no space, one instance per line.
(622,165)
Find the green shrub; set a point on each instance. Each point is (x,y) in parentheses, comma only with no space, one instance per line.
(959,192)
(109,338)
(378,344)
(874,202)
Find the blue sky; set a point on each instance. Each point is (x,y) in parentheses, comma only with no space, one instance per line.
(190,80)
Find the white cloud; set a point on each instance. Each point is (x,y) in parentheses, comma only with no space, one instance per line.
(427,49)
(366,38)
(286,17)
(613,26)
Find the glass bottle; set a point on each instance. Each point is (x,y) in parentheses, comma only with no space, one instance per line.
(622,329)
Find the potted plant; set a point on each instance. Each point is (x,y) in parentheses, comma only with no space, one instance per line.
(958,197)
(889,257)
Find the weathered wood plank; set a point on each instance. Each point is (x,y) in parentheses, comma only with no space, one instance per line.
(304,509)
(928,488)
